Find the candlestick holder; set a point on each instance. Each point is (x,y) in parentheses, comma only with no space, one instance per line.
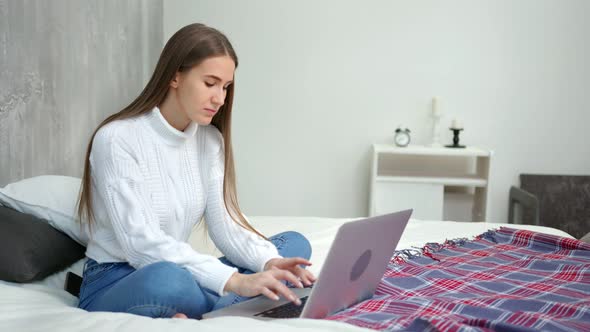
(436,130)
(455,144)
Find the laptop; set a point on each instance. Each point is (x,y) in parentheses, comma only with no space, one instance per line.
(351,272)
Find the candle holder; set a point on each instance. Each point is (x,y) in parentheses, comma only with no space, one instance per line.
(436,130)
(436,115)
(456,144)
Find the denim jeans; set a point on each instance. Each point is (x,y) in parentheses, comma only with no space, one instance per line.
(164,289)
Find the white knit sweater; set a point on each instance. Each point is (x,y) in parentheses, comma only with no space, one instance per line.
(151,184)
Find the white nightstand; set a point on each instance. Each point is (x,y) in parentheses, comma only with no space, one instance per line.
(436,182)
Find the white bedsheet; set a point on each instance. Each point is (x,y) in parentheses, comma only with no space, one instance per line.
(44,306)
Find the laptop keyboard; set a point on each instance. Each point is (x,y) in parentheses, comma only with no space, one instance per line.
(287,310)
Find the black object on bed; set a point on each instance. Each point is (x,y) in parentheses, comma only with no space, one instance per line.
(73,283)
(31,249)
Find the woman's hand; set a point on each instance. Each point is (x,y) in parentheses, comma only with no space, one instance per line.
(293,265)
(267,283)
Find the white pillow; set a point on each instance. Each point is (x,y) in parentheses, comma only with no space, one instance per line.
(50,197)
(58,279)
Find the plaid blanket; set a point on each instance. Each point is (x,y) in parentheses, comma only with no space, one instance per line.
(504,280)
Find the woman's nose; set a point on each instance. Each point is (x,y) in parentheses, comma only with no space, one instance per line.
(219,97)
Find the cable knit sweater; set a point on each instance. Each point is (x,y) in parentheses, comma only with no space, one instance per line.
(151,184)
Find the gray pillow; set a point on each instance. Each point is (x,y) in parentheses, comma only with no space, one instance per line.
(30,249)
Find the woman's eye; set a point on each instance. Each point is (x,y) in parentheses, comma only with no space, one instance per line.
(209,84)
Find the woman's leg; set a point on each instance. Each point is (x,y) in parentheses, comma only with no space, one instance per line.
(292,244)
(161,289)
(289,244)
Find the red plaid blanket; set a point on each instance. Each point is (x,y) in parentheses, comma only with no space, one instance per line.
(504,280)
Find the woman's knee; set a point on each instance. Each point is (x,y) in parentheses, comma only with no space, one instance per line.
(292,244)
(172,290)
(168,274)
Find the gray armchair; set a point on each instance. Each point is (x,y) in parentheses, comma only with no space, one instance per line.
(558,201)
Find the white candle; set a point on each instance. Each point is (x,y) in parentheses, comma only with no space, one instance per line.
(435,109)
(456,124)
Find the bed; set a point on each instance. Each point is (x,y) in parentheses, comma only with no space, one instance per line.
(44,305)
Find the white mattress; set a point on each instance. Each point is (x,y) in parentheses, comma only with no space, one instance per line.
(45,306)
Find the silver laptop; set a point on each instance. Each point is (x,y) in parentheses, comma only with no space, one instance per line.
(353,268)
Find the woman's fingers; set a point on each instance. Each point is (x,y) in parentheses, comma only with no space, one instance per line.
(310,276)
(286,275)
(303,275)
(293,264)
(270,294)
(270,284)
(297,261)
(280,288)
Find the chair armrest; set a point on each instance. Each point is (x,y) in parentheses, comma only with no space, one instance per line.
(526,200)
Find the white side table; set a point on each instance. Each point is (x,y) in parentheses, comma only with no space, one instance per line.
(425,178)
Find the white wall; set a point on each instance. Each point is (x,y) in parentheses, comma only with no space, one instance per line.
(320,81)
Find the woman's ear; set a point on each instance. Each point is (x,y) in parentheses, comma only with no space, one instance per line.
(175,80)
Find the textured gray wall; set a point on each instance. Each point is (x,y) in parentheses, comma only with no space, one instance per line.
(64,67)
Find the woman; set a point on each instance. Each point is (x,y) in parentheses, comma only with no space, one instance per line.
(157,167)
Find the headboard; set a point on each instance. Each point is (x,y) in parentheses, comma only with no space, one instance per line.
(62,75)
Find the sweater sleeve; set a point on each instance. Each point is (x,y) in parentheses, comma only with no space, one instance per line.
(241,246)
(119,183)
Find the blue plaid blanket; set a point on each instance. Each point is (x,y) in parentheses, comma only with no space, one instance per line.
(504,280)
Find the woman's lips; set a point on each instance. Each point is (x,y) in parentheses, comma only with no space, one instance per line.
(210,110)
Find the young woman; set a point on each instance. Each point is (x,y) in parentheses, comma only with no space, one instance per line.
(154,170)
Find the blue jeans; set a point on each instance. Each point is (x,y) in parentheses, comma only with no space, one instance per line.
(164,289)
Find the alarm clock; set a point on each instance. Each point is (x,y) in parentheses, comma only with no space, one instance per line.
(402,137)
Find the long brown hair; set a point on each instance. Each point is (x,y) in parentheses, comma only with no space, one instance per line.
(187,48)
